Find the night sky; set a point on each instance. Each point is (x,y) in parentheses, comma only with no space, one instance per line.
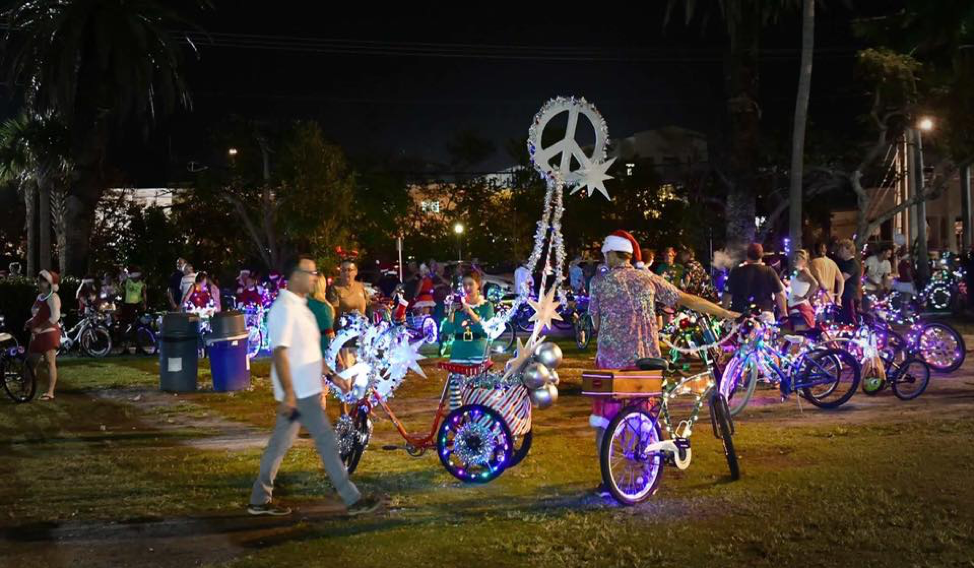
(392,101)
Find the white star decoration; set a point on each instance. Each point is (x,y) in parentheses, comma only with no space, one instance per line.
(593,177)
(523,353)
(356,372)
(405,357)
(545,311)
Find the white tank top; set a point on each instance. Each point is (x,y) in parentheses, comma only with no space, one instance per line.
(798,289)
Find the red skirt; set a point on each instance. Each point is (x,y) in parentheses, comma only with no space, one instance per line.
(41,343)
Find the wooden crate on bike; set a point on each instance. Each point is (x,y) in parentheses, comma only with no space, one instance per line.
(512,403)
(622,384)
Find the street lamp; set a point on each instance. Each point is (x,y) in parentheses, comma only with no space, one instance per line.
(232,152)
(458,229)
(925,124)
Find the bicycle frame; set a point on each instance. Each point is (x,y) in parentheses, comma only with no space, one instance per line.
(415,445)
(768,359)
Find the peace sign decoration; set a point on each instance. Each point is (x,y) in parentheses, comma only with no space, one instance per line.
(557,162)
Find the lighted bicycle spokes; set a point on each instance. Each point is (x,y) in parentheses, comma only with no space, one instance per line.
(633,470)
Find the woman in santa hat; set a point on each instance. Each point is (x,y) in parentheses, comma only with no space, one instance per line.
(623,309)
(45,331)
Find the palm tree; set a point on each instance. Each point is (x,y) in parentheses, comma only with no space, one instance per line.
(743,22)
(801,118)
(33,154)
(97,65)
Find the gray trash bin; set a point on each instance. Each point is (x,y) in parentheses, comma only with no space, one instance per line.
(179,352)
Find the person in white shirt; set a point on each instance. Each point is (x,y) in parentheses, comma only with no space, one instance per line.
(296,377)
(523,281)
(187,283)
(878,271)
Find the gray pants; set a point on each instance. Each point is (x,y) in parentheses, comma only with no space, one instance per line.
(315,421)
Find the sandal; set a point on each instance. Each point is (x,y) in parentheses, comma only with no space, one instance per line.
(47,397)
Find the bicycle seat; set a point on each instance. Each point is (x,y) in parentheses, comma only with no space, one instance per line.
(652,364)
(466,369)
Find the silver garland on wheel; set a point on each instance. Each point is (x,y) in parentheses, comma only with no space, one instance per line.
(474,444)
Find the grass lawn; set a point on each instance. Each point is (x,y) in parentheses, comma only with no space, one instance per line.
(881,483)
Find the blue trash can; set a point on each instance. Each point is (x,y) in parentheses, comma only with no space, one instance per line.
(229,364)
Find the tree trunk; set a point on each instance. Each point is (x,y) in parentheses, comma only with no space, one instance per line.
(743,116)
(80,222)
(44,224)
(801,117)
(59,205)
(30,210)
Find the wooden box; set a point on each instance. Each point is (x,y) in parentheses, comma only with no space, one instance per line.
(622,384)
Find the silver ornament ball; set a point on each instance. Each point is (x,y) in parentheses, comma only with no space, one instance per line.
(554,379)
(535,376)
(548,354)
(545,396)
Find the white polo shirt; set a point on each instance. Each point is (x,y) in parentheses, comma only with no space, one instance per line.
(291,324)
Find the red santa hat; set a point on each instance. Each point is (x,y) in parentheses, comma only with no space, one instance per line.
(622,241)
(52,278)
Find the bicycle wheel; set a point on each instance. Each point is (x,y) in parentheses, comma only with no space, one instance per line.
(629,473)
(18,378)
(145,341)
(521,451)
(583,332)
(724,430)
(474,444)
(353,435)
(938,299)
(828,377)
(737,383)
(504,341)
(255,341)
(96,342)
(941,347)
(912,378)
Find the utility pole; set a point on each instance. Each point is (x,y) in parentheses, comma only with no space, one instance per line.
(965,206)
(916,167)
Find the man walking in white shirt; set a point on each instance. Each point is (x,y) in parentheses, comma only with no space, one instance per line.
(296,377)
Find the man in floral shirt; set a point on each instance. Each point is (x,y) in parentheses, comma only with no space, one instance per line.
(623,309)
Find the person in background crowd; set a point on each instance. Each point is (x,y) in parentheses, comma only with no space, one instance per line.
(668,268)
(198,297)
(388,283)
(576,276)
(174,292)
(87,295)
(755,283)
(323,310)
(134,297)
(14,270)
(826,272)
(441,291)
(879,271)
(214,288)
(649,258)
(249,294)
(852,274)
(411,283)
(108,291)
(523,281)
(45,331)
(424,303)
(296,377)
(695,279)
(348,295)
(187,283)
(804,287)
(905,274)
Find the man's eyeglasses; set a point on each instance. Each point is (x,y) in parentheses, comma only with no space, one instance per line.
(309,272)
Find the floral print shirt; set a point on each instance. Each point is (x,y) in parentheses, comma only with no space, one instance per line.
(623,307)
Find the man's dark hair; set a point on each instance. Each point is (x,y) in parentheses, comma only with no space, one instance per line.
(291,266)
(755,252)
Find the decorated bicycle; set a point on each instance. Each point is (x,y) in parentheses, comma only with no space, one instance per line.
(633,449)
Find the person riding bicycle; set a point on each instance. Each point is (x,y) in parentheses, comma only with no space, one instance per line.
(464,321)
(623,309)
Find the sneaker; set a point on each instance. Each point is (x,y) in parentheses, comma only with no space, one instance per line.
(269,509)
(603,491)
(364,506)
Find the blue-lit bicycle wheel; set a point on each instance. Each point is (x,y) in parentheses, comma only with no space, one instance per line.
(474,444)
(629,472)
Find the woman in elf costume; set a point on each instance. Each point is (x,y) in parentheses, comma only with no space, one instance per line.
(464,321)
